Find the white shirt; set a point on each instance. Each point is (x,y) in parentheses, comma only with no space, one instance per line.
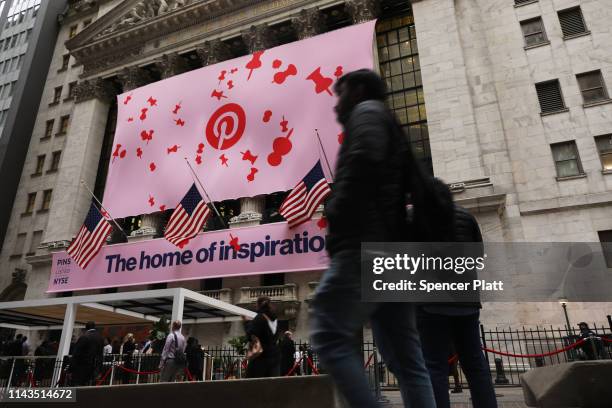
(108,349)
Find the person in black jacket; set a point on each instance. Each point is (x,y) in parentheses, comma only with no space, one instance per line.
(195,358)
(287,350)
(374,172)
(265,327)
(444,327)
(87,356)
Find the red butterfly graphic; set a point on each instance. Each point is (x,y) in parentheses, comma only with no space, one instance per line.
(152,101)
(249,156)
(180,122)
(146,136)
(173,149)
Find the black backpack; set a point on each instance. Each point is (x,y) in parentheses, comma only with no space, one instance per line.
(179,355)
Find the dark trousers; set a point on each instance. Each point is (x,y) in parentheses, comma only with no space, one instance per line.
(263,366)
(437,332)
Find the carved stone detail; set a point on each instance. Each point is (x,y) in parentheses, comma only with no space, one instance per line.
(171,64)
(307,23)
(212,52)
(96,88)
(145,10)
(133,77)
(362,10)
(19,275)
(257,38)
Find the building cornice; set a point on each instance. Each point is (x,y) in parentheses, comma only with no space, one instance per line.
(102,51)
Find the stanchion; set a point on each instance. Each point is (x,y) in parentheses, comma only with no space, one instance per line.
(500,377)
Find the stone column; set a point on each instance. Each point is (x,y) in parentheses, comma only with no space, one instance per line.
(307,23)
(212,52)
(171,64)
(70,201)
(256,38)
(362,10)
(132,78)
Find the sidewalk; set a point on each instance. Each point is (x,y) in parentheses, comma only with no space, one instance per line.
(506,398)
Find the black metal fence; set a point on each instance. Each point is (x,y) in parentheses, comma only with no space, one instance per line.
(510,353)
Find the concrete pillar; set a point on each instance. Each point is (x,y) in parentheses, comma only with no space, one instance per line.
(65,340)
(178,304)
(70,201)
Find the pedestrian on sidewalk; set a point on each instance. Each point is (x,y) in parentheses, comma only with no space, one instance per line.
(374,172)
(173,359)
(262,332)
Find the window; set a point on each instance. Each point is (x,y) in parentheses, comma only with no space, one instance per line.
(592,87)
(1,43)
(572,22)
(7,65)
(604,146)
(551,99)
(211,284)
(14,63)
(64,121)
(22,37)
(73,31)
(13,40)
(46,202)
(12,88)
(566,159)
(55,161)
(401,69)
(273,279)
(605,238)
(7,44)
(49,128)
(65,62)
(40,165)
(533,32)
(19,244)
(30,205)
(28,34)
(71,88)
(57,94)
(3,116)
(20,61)
(35,243)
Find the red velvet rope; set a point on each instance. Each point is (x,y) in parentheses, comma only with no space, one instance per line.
(297,363)
(453,359)
(367,364)
(550,353)
(311,364)
(129,370)
(606,340)
(101,380)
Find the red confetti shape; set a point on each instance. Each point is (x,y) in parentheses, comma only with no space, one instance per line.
(146,136)
(130,119)
(251,175)
(162,207)
(234,243)
(322,83)
(254,63)
(200,148)
(249,157)
(267,115)
(152,166)
(123,153)
(198,159)
(173,149)
(281,146)
(180,122)
(283,125)
(340,137)
(139,152)
(224,160)
(217,94)
(276,64)
(182,243)
(127,99)
(274,159)
(143,113)
(177,108)
(280,77)
(322,223)
(338,72)
(230,84)
(151,200)
(222,75)
(234,70)
(152,101)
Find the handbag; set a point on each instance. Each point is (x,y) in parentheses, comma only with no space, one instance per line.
(255,349)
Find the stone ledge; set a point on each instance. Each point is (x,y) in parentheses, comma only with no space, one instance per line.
(565,203)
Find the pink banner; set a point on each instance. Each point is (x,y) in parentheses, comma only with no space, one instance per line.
(246,125)
(269,248)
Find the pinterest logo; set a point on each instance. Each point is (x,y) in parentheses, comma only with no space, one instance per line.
(226,126)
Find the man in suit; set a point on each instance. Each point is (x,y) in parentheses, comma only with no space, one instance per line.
(87,356)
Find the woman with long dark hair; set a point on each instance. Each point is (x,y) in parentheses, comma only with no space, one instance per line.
(263,329)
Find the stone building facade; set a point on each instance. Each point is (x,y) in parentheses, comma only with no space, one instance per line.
(506,101)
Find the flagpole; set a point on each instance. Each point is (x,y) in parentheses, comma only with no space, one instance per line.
(324,154)
(205,193)
(102,207)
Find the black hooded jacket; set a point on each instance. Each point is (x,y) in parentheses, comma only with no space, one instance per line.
(368,203)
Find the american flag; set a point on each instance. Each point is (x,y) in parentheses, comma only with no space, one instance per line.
(90,238)
(188,218)
(305,197)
